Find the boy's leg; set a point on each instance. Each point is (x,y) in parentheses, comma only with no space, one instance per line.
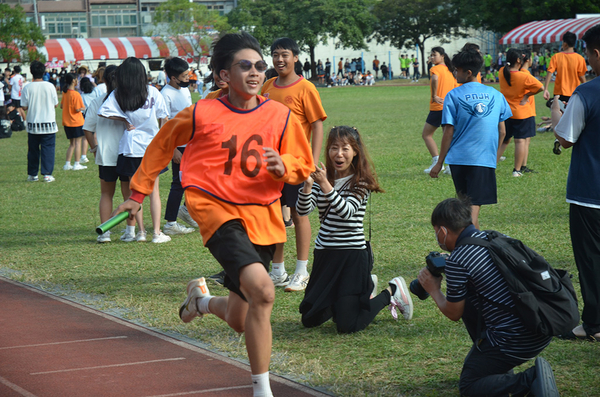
(33,154)
(70,150)
(520,153)
(107,192)
(48,143)
(475,215)
(427,135)
(77,148)
(155,207)
(299,279)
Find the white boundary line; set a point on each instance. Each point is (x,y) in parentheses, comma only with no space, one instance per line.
(107,366)
(185,345)
(187,393)
(16,388)
(61,343)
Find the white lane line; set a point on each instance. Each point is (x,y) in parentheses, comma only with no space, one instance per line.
(62,343)
(186,393)
(16,388)
(107,366)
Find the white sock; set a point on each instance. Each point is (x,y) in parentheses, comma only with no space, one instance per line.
(68,163)
(261,385)
(202,304)
(83,156)
(278,268)
(301,267)
(76,163)
(130,229)
(171,223)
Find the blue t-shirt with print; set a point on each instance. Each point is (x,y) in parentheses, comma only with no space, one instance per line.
(475,111)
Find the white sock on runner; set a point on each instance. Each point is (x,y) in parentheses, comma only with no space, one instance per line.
(202,304)
(301,267)
(261,385)
(278,268)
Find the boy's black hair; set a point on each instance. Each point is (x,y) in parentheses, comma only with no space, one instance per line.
(270,73)
(468,60)
(86,86)
(226,47)
(470,46)
(17,69)
(132,85)
(592,38)
(285,43)
(37,69)
(175,66)
(569,39)
(110,80)
(453,213)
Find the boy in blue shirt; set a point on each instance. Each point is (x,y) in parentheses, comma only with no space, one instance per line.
(473,122)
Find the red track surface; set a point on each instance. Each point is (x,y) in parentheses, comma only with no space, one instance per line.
(50,346)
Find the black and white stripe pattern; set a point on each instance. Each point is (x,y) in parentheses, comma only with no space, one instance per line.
(343,226)
(471,271)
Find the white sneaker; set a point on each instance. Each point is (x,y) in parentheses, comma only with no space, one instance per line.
(67,167)
(83,159)
(78,167)
(32,178)
(177,228)
(280,281)
(160,237)
(140,237)
(433,163)
(104,237)
(502,158)
(185,216)
(401,299)
(189,309)
(374,292)
(298,282)
(49,178)
(447,170)
(127,237)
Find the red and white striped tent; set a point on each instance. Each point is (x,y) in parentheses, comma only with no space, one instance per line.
(543,32)
(77,50)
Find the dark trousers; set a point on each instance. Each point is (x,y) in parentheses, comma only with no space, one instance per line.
(584,223)
(489,372)
(40,146)
(347,314)
(175,194)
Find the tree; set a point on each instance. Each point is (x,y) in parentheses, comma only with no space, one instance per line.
(308,22)
(406,23)
(175,19)
(501,17)
(19,39)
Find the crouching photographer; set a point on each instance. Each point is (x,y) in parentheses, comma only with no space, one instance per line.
(476,292)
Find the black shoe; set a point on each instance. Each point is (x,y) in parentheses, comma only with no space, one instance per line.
(218,278)
(289,223)
(525,169)
(556,149)
(544,384)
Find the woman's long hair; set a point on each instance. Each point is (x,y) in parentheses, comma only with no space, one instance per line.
(132,85)
(447,61)
(86,85)
(69,79)
(512,56)
(110,80)
(362,166)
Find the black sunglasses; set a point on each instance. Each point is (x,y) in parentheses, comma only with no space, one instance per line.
(246,65)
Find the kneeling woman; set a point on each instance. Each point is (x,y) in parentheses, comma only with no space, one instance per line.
(340,283)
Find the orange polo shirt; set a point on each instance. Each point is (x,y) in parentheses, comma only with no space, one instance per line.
(569,66)
(521,84)
(446,83)
(71,100)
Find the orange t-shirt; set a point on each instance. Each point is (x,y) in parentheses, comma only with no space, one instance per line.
(301,97)
(193,76)
(263,223)
(446,83)
(569,66)
(70,102)
(521,84)
(214,95)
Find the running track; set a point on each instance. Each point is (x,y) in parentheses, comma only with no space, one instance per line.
(51,346)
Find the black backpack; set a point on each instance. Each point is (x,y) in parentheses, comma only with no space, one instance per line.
(544,297)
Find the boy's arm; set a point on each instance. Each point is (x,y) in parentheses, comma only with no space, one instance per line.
(432,284)
(444,147)
(317,139)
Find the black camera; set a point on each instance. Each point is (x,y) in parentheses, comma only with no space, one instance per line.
(436,263)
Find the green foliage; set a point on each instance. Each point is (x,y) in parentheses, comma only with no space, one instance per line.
(19,36)
(504,16)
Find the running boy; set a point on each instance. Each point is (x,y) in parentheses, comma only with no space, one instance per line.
(473,122)
(254,145)
(303,99)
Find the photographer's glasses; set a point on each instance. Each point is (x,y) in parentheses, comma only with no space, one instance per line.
(246,65)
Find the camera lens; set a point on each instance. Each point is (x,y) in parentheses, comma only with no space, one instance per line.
(417,289)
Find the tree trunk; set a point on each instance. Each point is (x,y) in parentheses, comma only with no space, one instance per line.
(424,65)
(313,64)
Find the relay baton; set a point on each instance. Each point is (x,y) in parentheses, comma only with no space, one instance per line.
(112,222)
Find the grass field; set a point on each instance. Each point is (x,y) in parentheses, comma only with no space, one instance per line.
(48,240)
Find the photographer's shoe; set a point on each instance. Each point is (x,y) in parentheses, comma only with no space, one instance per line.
(544,383)
(189,309)
(556,149)
(400,299)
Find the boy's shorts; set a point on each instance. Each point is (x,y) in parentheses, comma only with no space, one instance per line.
(519,128)
(232,248)
(15,102)
(434,118)
(127,166)
(289,194)
(74,132)
(477,183)
(108,173)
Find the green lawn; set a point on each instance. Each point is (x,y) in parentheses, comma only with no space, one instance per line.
(48,238)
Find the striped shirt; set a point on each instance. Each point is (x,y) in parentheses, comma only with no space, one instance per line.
(343,226)
(470,272)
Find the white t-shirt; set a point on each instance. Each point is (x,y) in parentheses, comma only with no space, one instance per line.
(160,80)
(134,142)
(108,133)
(100,89)
(16,83)
(1,94)
(176,99)
(41,100)
(87,99)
